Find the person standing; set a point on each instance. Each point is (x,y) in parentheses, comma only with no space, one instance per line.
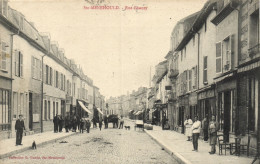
(205,126)
(100,123)
(67,122)
(74,123)
(213,129)
(19,127)
(188,123)
(106,121)
(60,120)
(195,133)
(121,125)
(88,124)
(56,123)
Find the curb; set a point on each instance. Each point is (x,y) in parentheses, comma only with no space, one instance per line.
(29,147)
(179,158)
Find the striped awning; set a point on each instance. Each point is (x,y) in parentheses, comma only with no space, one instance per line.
(99,110)
(84,107)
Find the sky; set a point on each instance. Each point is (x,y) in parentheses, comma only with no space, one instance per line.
(115,48)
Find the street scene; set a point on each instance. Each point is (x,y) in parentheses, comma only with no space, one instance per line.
(116,81)
(112,144)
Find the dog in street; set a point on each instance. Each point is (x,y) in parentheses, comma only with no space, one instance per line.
(127,127)
(33,145)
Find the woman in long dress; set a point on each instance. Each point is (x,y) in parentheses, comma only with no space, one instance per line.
(188,123)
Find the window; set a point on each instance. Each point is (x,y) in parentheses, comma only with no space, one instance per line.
(194,81)
(49,110)
(190,80)
(51,78)
(57,79)
(18,63)
(57,107)
(47,74)
(205,72)
(53,108)
(218,58)
(225,55)
(36,68)
(3,55)
(193,40)
(64,83)
(254,33)
(4,109)
(45,110)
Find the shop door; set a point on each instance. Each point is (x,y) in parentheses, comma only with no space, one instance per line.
(63,108)
(227,106)
(30,112)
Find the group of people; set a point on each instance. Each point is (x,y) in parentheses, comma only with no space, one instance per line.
(209,128)
(70,123)
(74,122)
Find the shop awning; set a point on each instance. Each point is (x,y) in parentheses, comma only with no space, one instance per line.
(99,110)
(139,112)
(131,111)
(135,112)
(84,107)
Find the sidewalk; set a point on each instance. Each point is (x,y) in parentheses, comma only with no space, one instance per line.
(176,145)
(8,148)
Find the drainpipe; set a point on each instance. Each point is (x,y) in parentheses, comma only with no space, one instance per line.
(41,112)
(11,72)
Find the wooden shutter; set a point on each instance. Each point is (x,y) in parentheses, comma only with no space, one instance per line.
(218,57)
(16,62)
(232,51)
(44,73)
(205,67)
(21,64)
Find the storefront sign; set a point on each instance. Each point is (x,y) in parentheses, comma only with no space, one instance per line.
(206,94)
(193,99)
(68,99)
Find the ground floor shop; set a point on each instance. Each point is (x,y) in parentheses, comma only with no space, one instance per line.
(5,108)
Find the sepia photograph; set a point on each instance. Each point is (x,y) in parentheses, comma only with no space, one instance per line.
(129,81)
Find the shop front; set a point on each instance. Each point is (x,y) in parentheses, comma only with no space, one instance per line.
(183,110)
(226,105)
(207,102)
(193,105)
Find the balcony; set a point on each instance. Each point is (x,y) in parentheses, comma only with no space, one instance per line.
(173,73)
(254,50)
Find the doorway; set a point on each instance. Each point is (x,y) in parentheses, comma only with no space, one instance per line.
(30,112)
(227,110)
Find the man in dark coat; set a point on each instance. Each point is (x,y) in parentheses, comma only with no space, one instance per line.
(106,121)
(60,123)
(19,127)
(67,122)
(56,123)
(88,124)
(74,123)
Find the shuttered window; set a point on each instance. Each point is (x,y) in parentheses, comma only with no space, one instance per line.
(218,58)
(3,56)
(205,69)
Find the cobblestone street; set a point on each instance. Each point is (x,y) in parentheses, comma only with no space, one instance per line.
(105,146)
